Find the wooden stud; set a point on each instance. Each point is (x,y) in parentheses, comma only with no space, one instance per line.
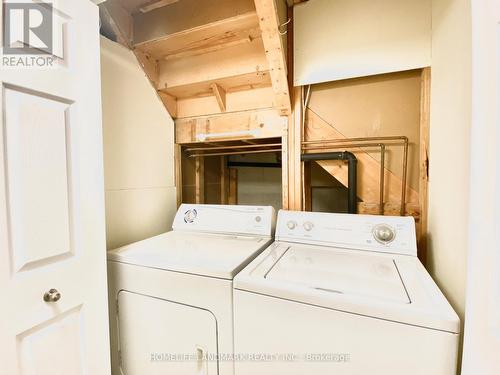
(285,190)
(425,101)
(200,180)
(178,173)
(224,180)
(233,186)
(273,44)
(294,153)
(152,5)
(220,95)
(306,173)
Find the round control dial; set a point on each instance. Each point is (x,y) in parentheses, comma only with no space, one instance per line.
(190,215)
(308,226)
(291,224)
(384,233)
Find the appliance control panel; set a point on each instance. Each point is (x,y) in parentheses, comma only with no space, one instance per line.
(388,234)
(228,219)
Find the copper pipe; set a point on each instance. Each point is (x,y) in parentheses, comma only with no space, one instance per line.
(359,139)
(236,153)
(382,177)
(333,142)
(233,147)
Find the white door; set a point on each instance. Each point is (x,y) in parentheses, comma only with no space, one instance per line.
(51,201)
(159,337)
(482,320)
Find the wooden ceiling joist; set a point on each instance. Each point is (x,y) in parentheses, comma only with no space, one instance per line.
(205,38)
(267,12)
(241,82)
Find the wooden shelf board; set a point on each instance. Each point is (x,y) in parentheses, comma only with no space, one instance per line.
(220,34)
(229,84)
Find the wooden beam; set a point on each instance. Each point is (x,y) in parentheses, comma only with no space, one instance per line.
(152,5)
(170,102)
(391,209)
(233,186)
(200,180)
(220,95)
(178,173)
(149,65)
(238,125)
(425,103)
(242,28)
(224,180)
(273,44)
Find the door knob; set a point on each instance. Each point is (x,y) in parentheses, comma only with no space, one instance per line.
(52,295)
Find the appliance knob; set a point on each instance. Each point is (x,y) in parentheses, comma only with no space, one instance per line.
(291,224)
(384,233)
(308,226)
(190,215)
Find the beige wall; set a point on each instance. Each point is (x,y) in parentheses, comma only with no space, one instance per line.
(138,151)
(449,147)
(338,39)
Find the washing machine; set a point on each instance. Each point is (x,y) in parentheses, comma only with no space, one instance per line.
(342,294)
(171,296)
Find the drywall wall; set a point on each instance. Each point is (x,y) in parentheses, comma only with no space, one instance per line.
(381,105)
(449,147)
(338,39)
(138,150)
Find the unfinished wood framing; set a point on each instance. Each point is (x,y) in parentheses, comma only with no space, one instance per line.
(425,102)
(233,186)
(227,59)
(294,150)
(178,173)
(223,76)
(242,125)
(224,180)
(200,180)
(220,95)
(270,27)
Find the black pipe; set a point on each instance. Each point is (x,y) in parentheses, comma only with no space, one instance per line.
(234,164)
(352,188)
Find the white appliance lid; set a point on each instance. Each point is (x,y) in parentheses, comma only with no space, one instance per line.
(336,272)
(391,287)
(205,254)
(256,220)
